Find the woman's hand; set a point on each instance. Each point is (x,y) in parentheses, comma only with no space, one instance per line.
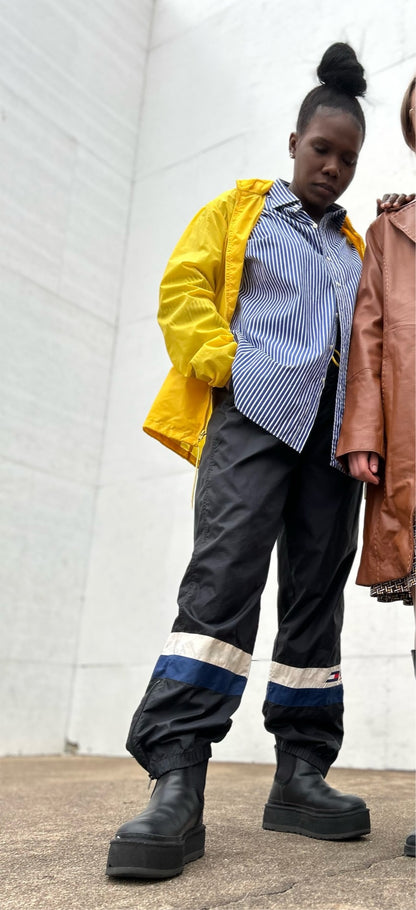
(393,201)
(364,466)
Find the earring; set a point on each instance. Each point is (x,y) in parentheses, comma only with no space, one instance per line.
(291,154)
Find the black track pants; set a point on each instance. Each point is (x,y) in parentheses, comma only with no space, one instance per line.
(252,491)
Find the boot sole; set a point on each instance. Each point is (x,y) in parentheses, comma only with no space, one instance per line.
(154,857)
(294,820)
(409,850)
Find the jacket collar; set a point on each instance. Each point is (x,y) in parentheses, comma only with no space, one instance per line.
(281,196)
(258,187)
(405,220)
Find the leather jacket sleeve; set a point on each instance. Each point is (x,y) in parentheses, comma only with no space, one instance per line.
(363,423)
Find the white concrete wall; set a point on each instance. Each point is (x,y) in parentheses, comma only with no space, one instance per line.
(223,85)
(71,79)
(224,82)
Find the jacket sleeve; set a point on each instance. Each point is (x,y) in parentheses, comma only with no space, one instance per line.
(363,423)
(198,339)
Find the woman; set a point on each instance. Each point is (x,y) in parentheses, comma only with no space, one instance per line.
(378,430)
(256,307)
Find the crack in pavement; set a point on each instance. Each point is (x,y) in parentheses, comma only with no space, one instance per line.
(248,894)
(374,862)
(259,894)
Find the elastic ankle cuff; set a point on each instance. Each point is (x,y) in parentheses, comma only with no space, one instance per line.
(176,760)
(298,752)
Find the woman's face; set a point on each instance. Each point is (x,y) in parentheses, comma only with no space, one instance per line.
(326,156)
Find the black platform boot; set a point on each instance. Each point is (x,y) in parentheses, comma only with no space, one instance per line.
(168,833)
(301,802)
(410,845)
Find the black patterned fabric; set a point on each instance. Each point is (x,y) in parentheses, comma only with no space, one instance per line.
(398,588)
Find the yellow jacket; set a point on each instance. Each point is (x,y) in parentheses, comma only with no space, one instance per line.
(198,296)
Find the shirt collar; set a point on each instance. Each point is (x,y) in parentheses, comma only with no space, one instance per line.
(280,198)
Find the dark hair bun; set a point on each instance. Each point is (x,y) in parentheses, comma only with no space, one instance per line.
(340,69)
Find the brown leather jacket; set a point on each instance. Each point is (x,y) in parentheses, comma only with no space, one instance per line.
(380,399)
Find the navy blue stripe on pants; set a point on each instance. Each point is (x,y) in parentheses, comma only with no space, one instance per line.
(252,492)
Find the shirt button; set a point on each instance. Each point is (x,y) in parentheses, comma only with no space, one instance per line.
(323,381)
(338,284)
(328,258)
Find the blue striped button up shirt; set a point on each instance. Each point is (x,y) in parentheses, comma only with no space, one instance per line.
(298,279)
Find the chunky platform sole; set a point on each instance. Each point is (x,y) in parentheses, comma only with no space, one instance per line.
(409,849)
(154,856)
(297,820)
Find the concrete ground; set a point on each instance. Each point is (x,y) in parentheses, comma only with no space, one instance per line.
(58,814)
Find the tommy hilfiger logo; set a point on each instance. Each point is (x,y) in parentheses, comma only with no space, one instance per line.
(334,677)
